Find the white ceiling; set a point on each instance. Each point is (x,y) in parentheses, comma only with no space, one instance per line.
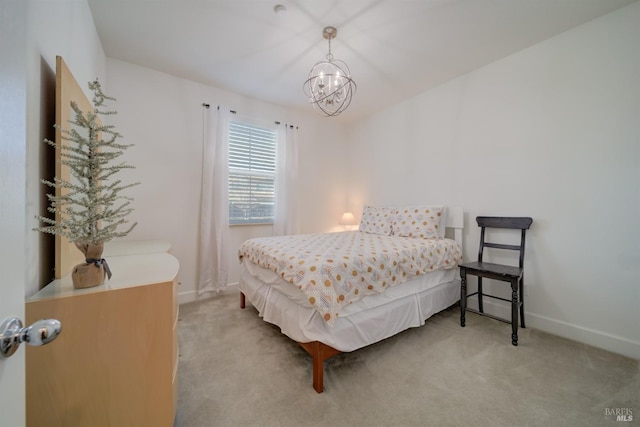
(394,48)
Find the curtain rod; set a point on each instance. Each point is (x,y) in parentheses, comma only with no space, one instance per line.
(207,106)
(285,125)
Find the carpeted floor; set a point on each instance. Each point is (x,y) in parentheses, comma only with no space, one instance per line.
(237,370)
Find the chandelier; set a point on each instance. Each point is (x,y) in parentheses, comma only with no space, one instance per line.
(330,86)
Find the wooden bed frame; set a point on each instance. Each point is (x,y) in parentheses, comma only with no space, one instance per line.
(320,351)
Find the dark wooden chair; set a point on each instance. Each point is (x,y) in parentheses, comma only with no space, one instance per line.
(504,273)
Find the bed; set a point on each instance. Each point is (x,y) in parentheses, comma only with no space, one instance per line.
(339,292)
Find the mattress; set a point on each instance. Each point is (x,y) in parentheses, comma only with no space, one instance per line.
(363,322)
(334,270)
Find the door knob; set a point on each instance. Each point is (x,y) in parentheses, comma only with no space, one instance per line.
(12,334)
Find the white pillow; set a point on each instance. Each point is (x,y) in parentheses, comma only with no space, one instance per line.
(425,222)
(376,220)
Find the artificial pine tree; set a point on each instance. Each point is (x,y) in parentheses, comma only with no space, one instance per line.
(90,209)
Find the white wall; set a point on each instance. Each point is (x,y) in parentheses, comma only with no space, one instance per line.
(163,116)
(64,28)
(551,132)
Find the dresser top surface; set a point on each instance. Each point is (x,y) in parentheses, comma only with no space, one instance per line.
(127,271)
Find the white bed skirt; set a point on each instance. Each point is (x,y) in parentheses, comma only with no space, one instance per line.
(357,330)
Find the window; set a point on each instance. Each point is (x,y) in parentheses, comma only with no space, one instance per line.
(252,173)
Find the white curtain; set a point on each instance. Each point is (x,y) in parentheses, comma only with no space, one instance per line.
(213,269)
(286,215)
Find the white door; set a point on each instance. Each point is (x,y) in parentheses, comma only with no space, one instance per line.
(13,128)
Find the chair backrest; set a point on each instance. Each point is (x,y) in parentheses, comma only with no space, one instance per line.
(520,223)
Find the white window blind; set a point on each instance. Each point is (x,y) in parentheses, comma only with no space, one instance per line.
(252,174)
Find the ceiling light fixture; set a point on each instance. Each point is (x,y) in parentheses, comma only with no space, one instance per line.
(330,86)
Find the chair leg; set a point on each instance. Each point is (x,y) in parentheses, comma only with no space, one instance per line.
(514,311)
(463,295)
(480,305)
(522,302)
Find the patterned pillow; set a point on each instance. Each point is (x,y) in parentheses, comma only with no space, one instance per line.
(376,220)
(424,222)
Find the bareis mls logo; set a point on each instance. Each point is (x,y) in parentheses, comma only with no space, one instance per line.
(620,414)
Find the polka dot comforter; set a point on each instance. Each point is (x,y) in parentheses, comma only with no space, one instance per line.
(336,269)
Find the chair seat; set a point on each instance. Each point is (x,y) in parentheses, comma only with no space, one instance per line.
(496,271)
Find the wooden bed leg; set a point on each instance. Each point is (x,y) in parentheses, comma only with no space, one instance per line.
(318,368)
(242,300)
(319,353)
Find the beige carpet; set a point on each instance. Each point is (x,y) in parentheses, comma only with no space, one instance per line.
(237,370)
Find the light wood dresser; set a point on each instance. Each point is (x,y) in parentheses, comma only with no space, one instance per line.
(115,363)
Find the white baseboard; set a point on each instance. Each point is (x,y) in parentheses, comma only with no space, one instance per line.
(563,329)
(191,296)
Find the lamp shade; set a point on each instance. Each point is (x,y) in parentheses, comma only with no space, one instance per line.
(347,219)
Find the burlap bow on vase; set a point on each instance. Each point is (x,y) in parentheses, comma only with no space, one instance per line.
(92,272)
